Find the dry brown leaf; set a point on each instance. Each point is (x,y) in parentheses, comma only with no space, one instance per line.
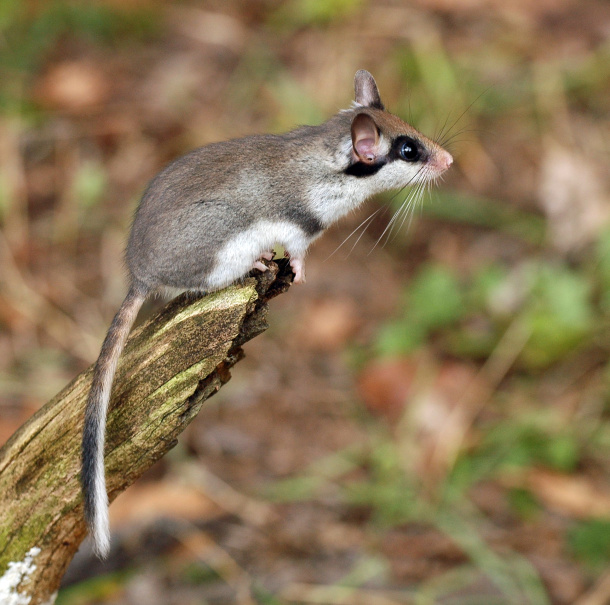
(385,385)
(167,498)
(328,324)
(73,86)
(570,495)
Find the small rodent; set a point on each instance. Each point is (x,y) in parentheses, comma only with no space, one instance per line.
(209,217)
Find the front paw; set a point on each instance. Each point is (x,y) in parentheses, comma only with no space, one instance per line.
(266,255)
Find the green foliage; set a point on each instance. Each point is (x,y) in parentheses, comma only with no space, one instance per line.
(469,468)
(264,597)
(514,576)
(523,503)
(602,253)
(433,300)
(301,13)
(295,489)
(558,315)
(556,310)
(386,489)
(589,542)
(198,572)
(5,196)
(398,337)
(380,484)
(89,184)
(531,442)
(294,104)
(102,588)
(484,284)
(487,213)
(587,80)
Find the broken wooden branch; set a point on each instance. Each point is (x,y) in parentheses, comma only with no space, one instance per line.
(170,366)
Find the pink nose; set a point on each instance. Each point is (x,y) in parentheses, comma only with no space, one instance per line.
(444,160)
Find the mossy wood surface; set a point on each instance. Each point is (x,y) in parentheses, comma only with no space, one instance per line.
(170,366)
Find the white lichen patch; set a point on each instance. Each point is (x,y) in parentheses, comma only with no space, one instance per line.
(51,599)
(18,574)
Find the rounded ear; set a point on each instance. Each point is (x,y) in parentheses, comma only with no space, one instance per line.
(366,91)
(365,138)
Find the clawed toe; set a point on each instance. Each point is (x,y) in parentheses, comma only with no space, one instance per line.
(298,268)
(260,266)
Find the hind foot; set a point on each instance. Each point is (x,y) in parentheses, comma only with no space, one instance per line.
(297,264)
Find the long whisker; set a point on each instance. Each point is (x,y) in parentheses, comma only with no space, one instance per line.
(461,131)
(420,191)
(393,219)
(366,222)
(357,240)
(418,201)
(457,136)
(462,115)
(398,193)
(403,210)
(407,208)
(439,132)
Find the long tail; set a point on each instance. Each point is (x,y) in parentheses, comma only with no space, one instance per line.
(92,474)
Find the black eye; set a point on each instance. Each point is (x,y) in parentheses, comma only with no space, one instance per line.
(409,150)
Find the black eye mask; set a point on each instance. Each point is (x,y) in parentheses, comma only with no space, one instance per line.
(403,148)
(362,169)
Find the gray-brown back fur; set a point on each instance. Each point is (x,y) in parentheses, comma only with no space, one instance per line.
(197,202)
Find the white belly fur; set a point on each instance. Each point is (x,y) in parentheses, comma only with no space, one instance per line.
(236,257)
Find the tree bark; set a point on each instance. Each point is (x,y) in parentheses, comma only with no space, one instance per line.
(169,367)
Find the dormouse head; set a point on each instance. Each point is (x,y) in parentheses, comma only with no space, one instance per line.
(386,149)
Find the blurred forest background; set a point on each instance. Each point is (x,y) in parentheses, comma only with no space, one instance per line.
(427,420)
